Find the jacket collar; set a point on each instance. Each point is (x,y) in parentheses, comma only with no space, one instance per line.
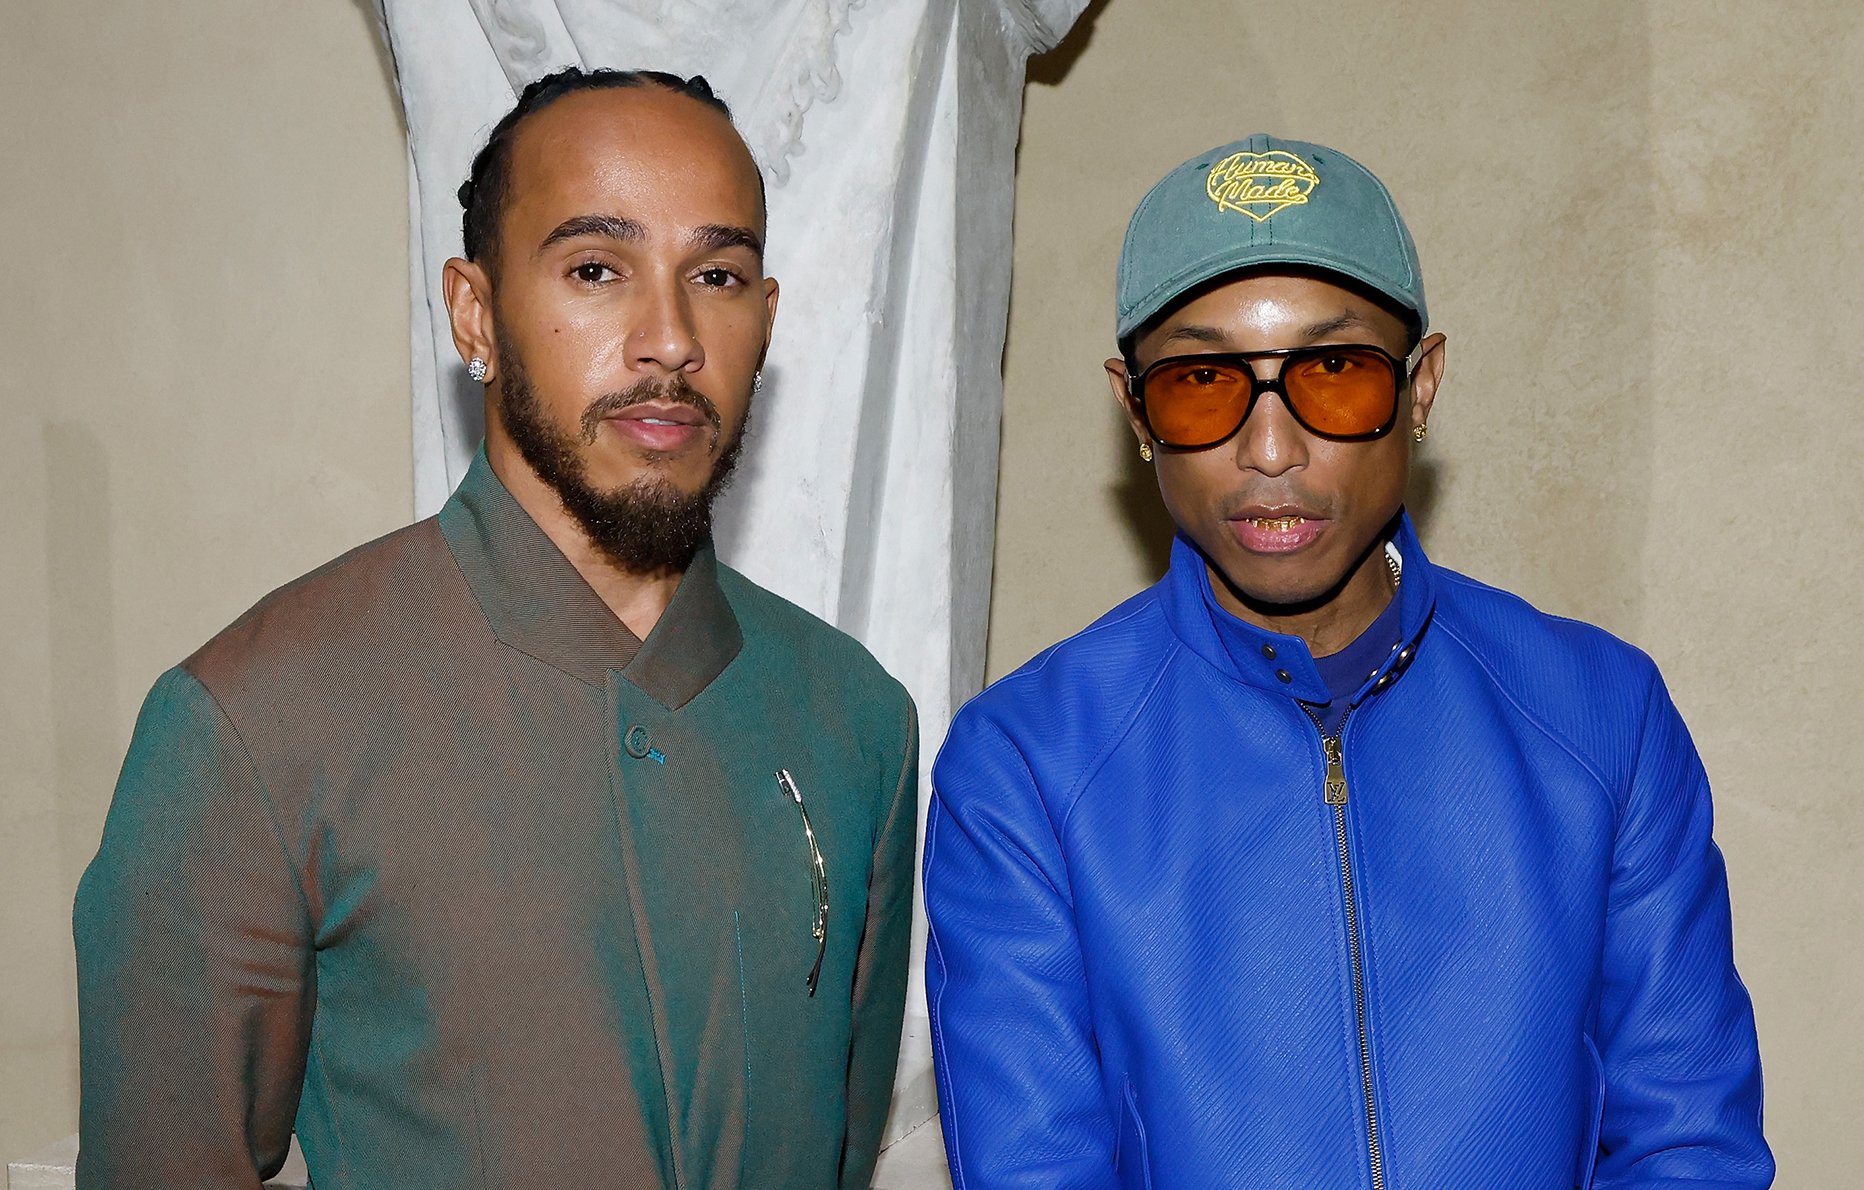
(536,602)
(1257,657)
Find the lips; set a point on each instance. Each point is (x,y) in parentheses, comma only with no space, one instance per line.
(664,412)
(659,425)
(1276,531)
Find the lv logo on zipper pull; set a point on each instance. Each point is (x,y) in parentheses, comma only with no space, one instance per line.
(1336,772)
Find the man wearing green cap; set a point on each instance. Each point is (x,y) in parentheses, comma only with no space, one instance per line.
(1315,864)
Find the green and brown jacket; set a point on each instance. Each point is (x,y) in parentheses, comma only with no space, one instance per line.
(432,859)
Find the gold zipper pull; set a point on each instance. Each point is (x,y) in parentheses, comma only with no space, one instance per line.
(1336,771)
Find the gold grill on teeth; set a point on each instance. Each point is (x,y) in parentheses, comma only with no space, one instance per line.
(1279,523)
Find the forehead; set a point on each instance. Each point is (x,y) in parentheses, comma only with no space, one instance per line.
(1286,307)
(660,158)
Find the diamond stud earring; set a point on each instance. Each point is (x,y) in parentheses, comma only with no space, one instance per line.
(476,370)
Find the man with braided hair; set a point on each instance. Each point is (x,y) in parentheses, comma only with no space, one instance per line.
(528,845)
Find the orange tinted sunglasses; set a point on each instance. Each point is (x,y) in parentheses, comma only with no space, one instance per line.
(1346,392)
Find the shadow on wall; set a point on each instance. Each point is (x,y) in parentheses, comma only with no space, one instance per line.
(81,639)
(371,11)
(1049,69)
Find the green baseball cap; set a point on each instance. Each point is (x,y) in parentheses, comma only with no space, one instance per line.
(1264,201)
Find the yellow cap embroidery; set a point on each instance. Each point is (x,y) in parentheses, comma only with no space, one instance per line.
(1260,184)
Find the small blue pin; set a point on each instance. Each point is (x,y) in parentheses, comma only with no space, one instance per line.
(638,744)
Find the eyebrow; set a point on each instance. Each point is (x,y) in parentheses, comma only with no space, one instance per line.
(713,237)
(1326,328)
(1313,332)
(710,237)
(1198,333)
(614,227)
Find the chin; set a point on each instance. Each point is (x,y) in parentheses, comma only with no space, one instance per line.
(1285,582)
(685,469)
(1290,595)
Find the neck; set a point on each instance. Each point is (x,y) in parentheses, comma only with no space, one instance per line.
(1327,624)
(637,599)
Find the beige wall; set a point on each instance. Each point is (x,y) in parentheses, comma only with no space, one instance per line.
(203,379)
(1641,231)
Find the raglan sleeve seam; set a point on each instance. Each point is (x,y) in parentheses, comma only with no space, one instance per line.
(267,802)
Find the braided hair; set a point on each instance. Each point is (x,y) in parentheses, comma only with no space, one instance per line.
(482,195)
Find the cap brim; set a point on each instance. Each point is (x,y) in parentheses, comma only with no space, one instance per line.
(1235,259)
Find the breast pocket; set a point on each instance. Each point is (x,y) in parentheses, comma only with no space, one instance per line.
(1130,1160)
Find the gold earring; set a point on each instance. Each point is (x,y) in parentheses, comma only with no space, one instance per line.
(1145,451)
(1421,433)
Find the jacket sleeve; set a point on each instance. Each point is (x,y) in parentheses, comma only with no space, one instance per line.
(1018,1071)
(881,973)
(194,963)
(1676,1031)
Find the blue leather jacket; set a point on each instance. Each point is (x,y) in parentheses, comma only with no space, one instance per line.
(1178,940)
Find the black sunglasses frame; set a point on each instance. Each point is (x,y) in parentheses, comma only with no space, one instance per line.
(1136,388)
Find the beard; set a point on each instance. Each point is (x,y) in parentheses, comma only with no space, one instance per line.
(645,527)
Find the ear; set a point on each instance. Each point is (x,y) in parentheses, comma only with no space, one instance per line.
(1123,397)
(770,316)
(468,292)
(1425,378)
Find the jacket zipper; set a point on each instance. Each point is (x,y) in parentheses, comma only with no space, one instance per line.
(1335,794)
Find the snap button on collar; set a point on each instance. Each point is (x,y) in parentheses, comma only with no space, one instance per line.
(637,742)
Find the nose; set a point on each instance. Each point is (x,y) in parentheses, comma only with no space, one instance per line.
(664,336)
(1271,442)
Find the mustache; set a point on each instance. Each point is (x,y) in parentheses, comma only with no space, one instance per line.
(1233,504)
(674,391)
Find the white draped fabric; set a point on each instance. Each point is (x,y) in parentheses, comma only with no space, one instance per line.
(887,131)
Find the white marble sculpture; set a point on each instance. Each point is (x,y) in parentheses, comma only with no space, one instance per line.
(887,131)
